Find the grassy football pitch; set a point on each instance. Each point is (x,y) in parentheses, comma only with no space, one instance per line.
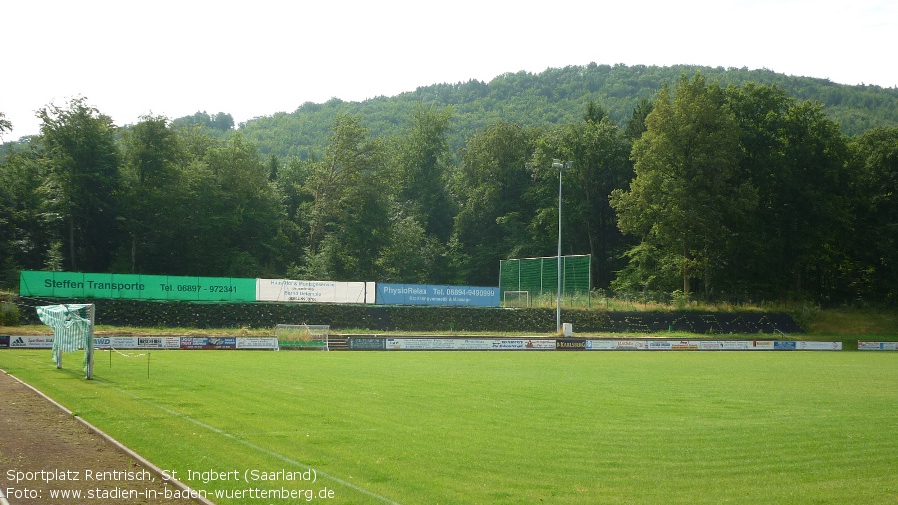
(499,427)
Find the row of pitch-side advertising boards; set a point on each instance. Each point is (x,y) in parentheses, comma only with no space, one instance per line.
(369,343)
(580,344)
(226,289)
(148,343)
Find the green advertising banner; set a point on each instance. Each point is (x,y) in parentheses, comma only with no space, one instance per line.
(136,287)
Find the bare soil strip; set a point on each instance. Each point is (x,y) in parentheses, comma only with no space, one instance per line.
(45,452)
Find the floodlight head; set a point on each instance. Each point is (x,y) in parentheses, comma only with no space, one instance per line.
(561,167)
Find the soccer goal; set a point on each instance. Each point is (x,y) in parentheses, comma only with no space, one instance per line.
(302,336)
(516,299)
(73,329)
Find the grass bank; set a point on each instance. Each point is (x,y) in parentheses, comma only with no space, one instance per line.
(829,324)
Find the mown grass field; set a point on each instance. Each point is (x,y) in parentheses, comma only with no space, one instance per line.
(505,427)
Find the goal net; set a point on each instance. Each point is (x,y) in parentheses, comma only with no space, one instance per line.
(539,276)
(302,336)
(516,299)
(73,329)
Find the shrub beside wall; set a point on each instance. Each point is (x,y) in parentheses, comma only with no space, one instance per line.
(9,314)
(419,319)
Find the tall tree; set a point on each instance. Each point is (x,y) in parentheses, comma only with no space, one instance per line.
(811,203)
(599,164)
(795,158)
(686,190)
(636,124)
(423,159)
(79,144)
(492,185)
(5,124)
(244,210)
(875,198)
(422,211)
(154,158)
(349,212)
(27,231)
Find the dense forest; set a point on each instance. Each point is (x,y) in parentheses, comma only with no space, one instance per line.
(555,96)
(717,184)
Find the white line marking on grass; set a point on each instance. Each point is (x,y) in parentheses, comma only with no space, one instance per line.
(263,450)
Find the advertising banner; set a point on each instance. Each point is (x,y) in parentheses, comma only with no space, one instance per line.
(780,345)
(525,345)
(31,342)
(424,344)
(149,342)
(208,343)
(540,345)
(154,342)
(260,343)
(877,346)
(425,294)
(461,344)
(367,343)
(4,341)
(103,343)
(512,345)
(670,345)
(762,345)
(476,345)
(570,344)
(601,345)
(288,290)
(818,346)
(136,287)
(629,345)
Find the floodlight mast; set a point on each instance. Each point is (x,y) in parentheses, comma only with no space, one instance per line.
(561,167)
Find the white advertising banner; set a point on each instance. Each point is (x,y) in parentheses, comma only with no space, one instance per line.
(289,290)
(630,345)
(269,343)
(460,344)
(540,344)
(149,342)
(818,346)
(424,344)
(601,345)
(708,345)
(31,342)
(877,346)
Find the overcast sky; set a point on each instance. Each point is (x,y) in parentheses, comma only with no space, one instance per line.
(259,57)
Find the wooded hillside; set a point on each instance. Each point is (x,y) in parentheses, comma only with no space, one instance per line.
(556,96)
(683,183)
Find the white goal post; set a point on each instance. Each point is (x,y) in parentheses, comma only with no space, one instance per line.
(302,336)
(516,299)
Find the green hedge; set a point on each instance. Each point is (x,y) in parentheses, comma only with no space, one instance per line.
(418,319)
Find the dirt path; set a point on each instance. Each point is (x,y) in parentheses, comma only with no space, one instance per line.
(49,452)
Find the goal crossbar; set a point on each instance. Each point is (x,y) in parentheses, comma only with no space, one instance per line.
(302,336)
